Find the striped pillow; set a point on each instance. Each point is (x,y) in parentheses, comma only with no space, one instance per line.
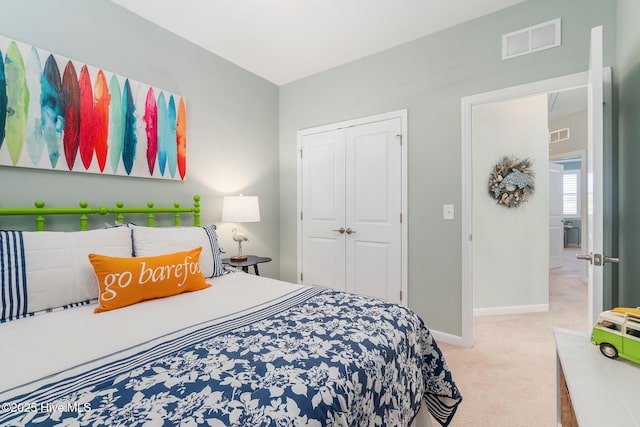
(154,241)
(45,270)
(218,268)
(13,276)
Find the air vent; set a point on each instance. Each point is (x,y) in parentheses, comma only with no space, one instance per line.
(559,135)
(532,39)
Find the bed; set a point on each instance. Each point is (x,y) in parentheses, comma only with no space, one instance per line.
(237,350)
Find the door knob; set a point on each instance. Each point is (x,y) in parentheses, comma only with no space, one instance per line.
(341,230)
(586,257)
(350,231)
(597,259)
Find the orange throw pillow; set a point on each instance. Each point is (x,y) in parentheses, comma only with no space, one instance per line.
(127,281)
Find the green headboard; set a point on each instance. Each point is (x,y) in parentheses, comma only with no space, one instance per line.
(119,210)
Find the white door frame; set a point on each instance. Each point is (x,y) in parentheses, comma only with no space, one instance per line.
(571,81)
(402,115)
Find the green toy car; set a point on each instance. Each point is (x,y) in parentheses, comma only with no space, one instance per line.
(618,333)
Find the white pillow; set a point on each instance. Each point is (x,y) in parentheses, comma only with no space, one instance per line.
(153,241)
(58,270)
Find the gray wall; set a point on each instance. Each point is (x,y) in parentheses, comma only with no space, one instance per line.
(232,116)
(628,79)
(429,77)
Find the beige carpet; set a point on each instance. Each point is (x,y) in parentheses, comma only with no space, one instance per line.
(509,377)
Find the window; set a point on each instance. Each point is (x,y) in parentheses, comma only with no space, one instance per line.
(609,325)
(571,193)
(633,332)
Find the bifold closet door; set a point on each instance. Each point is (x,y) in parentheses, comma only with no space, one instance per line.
(323,209)
(373,207)
(351,205)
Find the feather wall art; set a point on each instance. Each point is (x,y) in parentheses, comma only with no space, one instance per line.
(59,114)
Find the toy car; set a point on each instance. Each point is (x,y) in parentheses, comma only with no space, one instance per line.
(618,333)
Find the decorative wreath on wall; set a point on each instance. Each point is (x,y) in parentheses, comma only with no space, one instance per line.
(511,182)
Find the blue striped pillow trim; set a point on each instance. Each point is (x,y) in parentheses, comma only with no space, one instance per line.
(53,310)
(21,316)
(13,276)
(218,269)
(78,304)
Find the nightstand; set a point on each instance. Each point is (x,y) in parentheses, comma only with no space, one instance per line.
(251,260)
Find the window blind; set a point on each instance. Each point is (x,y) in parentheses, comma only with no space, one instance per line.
(570,194)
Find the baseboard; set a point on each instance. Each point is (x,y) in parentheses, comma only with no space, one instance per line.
(447,338)
(519,309)
(516,309)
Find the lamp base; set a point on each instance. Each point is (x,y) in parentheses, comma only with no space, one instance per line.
(239,258)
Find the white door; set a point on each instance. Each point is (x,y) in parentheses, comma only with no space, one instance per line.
(556,225)
(323,209)
(595,224)
(351,191)
(373,209)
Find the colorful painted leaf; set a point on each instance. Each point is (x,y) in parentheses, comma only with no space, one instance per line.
(102,99)
(52,108)
(3,100)
(163,133)
(35,141)
(71,136)
(116,130)
(88,119)
(172,146)
(151,127)
(17,101)
(181,136)
(130,139)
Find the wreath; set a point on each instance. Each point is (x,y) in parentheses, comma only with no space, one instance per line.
(511,182)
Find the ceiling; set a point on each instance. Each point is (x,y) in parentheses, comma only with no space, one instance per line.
(285,40)
(568,102)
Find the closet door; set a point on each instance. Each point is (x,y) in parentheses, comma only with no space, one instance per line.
(323,209)
(373,207)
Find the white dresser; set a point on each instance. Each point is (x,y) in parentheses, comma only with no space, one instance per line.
(593,390)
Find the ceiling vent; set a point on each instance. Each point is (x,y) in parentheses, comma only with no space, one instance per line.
(532,39)
(559,135)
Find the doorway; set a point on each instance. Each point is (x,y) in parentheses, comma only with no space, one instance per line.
(469,103)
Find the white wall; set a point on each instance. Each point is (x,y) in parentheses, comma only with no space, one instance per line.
(510,245)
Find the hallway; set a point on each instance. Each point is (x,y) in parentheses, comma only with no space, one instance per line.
(508,379)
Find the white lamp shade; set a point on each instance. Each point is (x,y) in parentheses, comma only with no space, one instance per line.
(240,209)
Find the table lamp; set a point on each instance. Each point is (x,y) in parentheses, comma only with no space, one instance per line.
(240,209)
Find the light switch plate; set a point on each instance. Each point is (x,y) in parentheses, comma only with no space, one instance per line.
(448,212)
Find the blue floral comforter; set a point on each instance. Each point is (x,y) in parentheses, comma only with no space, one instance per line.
(318,358)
